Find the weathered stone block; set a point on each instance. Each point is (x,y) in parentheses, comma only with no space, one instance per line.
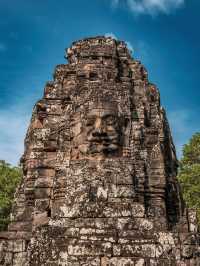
(90,249)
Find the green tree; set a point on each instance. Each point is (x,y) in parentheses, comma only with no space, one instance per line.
(10,177)
(189,173)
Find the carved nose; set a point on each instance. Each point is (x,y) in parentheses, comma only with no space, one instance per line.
(98,129)
(98,123)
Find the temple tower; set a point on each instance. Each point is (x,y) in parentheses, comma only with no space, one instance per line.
(100,168)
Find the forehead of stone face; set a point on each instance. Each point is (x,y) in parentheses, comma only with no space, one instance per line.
(95,109)
(102,109)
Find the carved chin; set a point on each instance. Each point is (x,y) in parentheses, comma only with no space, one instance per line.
(110,148)
(84,148)
(98,149)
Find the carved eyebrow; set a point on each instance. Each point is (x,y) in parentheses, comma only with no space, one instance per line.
(90,117)
(109,115)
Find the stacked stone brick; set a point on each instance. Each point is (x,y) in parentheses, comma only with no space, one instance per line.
(100,168)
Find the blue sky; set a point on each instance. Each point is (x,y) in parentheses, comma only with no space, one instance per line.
(164,35)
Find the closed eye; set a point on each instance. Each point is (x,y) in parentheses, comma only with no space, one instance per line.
(90,122)
(110,120)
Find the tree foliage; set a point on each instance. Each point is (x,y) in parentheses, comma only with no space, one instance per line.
(10,177)
(189,173)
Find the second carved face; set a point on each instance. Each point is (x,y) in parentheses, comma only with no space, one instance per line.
(99,133)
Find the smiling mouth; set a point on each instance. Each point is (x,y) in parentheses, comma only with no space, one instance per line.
(104,144)
(105,148)
(104,139)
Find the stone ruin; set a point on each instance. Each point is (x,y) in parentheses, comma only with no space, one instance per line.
(100,167)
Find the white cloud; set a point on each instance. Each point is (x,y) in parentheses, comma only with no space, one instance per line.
(183,127)
(13,126)
(151,7)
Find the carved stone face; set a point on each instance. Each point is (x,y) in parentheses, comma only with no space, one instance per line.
(99,134)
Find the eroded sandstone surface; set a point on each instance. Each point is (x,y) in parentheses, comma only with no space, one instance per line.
(100,168)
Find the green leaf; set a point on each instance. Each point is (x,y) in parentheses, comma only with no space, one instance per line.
(189,173)
(10,178)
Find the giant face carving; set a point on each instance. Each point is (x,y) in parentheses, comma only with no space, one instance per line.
(98,134)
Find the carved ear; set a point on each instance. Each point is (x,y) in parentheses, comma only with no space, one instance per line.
(41,107)
(124,130)
(126,122)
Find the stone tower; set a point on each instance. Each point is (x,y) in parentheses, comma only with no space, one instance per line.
(100,168)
